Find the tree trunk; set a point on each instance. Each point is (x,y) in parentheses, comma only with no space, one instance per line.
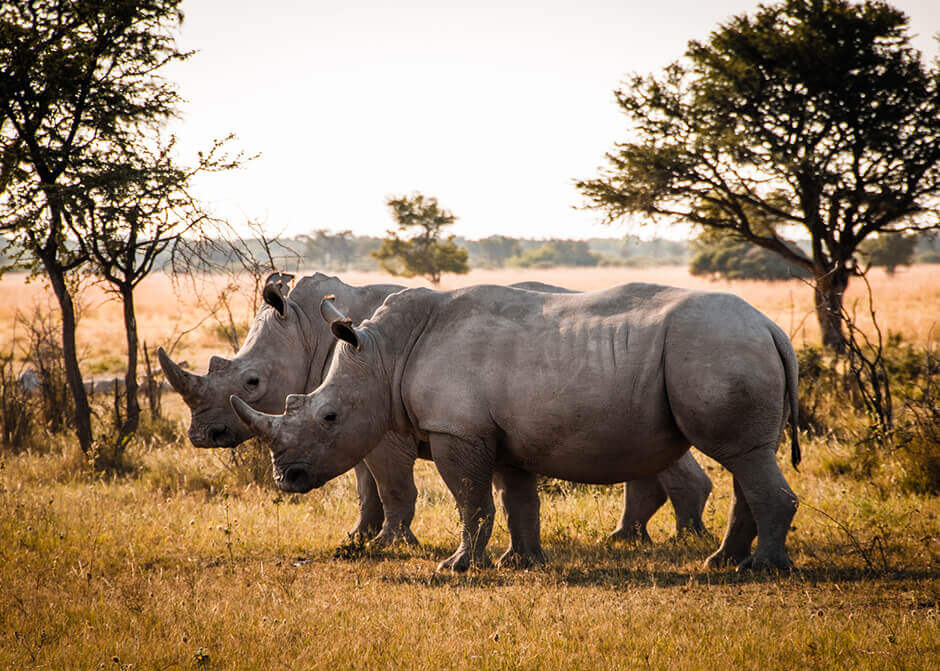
(132,418)
(73,373)
(830,291)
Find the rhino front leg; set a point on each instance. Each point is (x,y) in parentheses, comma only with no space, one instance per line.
(517,491)
(688,488)
(392,465)
(371,513)
(641,499)
(467,470)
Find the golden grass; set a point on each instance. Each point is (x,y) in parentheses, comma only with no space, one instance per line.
(181,566)
(127,575)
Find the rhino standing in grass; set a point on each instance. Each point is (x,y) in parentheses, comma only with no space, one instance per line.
(287,352)
(599,387)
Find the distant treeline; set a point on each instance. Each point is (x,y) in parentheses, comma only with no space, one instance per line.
(344,251)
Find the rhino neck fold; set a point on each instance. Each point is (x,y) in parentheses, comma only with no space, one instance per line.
(396,333)
(319,367)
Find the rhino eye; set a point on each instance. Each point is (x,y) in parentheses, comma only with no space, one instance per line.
(329,417)
(252,382)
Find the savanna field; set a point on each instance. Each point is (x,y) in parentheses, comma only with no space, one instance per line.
(191,559)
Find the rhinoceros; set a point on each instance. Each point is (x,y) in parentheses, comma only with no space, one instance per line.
(287,351)
(598,387)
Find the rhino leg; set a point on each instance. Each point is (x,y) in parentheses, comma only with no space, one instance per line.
(517,491)
(688,488)
(371,513)
(467,470)
(392,465)
(641,499)
(740,533)
(772,503)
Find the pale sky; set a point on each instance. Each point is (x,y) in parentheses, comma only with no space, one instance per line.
(494,108)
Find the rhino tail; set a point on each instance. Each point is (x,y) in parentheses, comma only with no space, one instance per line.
(791,372)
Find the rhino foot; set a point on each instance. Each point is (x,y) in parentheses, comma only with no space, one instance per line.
(462,560)
(766,562)
(724,559)
(389,536)
(634,533)
(514,559)
(693,528)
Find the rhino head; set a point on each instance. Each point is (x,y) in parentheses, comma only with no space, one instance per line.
(325,433)
(274,361)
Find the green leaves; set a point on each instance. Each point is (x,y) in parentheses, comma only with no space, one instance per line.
(425,253)
(817,113)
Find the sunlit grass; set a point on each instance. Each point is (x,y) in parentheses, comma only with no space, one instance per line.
(187,564)
(179,559)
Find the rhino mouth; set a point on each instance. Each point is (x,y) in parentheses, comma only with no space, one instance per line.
(298,478)
(215,435)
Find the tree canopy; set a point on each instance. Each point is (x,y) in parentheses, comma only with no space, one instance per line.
(812,115)
(86,182)
(426,252)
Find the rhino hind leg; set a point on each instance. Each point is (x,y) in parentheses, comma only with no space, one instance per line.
(467,470)
(641,499)
(773,505)
(739,534)
(688,488)
(392,466)
(761,491)
(517,491)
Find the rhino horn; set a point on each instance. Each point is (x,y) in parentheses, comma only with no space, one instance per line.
(340,324)
(260,423)
(184,382)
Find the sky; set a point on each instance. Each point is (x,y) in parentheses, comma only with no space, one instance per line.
(494,108)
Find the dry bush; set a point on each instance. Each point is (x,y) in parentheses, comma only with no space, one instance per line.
(17,408)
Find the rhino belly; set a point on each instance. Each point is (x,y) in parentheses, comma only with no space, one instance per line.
(596,457)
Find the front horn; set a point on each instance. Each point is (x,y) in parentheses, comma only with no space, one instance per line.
(260,423)
(182,381)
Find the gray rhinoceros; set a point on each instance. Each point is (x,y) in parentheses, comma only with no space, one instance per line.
(600,387)
(287,351)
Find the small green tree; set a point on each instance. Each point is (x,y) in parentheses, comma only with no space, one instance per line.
(425,253)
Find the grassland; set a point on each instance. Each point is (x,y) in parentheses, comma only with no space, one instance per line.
(188,564)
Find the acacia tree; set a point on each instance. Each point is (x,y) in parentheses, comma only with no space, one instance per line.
(75,76)
(137,206)
(425,252)
(812,115)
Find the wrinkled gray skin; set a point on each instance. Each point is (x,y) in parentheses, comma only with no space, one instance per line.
(600,387)
(288,355)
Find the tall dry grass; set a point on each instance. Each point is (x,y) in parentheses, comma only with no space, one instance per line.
(186,564)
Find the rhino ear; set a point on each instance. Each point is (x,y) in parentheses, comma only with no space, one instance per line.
(273,297)
(217,364)
(343,330)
